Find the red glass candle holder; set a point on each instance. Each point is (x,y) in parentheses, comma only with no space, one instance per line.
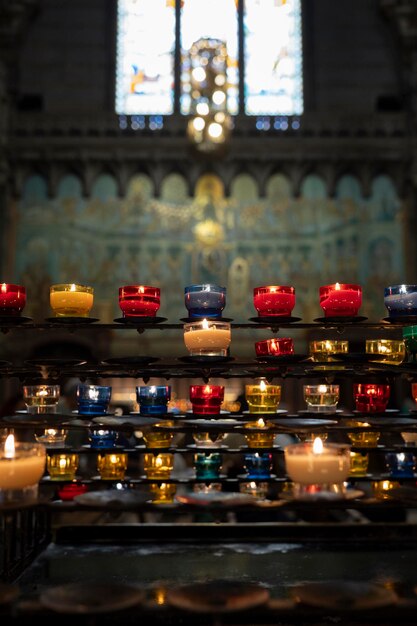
(12,299)
(206,399)
(340,299)
(70,490)
(282,346)
(274,300)
(371,398)
(139,300)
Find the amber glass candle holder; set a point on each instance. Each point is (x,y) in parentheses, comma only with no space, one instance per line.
(158,466)
(207,338)
(388,351)
(41,398)
(370,397)
(278,346)
(206,399)
(359,462)
(62,466)
(381,488)
(139,300)
(321,398)
(278,300)
(70,300)
(158,438)
(340,299)
(112,465)
(261,437)
(12,299)
(163,493)
(263,398)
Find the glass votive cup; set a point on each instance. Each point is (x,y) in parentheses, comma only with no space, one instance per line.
(388,351)
(70,300)
(209,439)
(255,488)
(12,299)
(381,488)
(359,462)
(278,300)
(62,466)
(207,338)
(278,346)
(363,438)
(410,340)
(310,436)
(261,437)
(370,397)
(401,300)
(158,438)
(263,398)
(153,399)
(68,491)
(206,399)
(414,391)
(258,465)
(340,299)
(41,398)
(22,465)
(400,464)
(207,465)
(321,398)
(323,351)
(409,437)
(93,399)
(207,487)
(52,437)
(163,493)
(112,466)
(158,466)
(205,300)
(102,439)
(139,300)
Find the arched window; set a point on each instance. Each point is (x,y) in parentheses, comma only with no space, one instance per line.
(251,49)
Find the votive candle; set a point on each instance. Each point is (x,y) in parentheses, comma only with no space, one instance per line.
(12,299)
(139,300)
(263,398)
(93,399)
(62,466)
(262,437)
(370,397)
(401,464)
(41,398)
(112,466)
(205,300)
(317,463)
(321,398)
(158,466)
(278,346)
(258,465)
(275,300)
(340,299)
(359,462)
(22,465)
(71,300)
(207,338)
(206,399)
(207,466)
(162,493)
(388,351)
(153,399)
(401,300)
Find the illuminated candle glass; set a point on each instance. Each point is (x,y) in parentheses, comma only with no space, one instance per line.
(400,464)
(207,487)
(389,351)
(158,466)
(207,338)
(254,488)
(207,466)
(209,440)
(68,491)
(162,493)
(62,466)
(321,398)
(371,398)
(139,300)
(258,465)
(340,299)
(410,340)
(41,398)
(22,465)
(263,398)
(206,399)
(70,300)
(414,391)
(205,300)
(102,439)
(322,465)
(12,299)
(382,488)
(276,300)
(359,462)
(52,437)
(326,350)
(153,399)
(363,438)
(279,346)
(401,300)
(112,466)
(262,437)
(158,438)
(93,399)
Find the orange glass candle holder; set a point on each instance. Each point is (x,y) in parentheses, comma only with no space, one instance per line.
(340,299)
(112,465)
(71,300)
(158,466)
(388,351)
(62,466)
(262,437)
(163,493)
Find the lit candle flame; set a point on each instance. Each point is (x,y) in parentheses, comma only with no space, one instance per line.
(72,288)
(337,287)
(328,345)
(3,288)
(113,459)
(141,289)
(260,423)
(252,485)
(205,324)
(317,446)
(322,388)
(158,462)
(63,462)
(51,432)
(9,447)
(42,393)
(93,393)
(262,385)
(207,389)
(152,389)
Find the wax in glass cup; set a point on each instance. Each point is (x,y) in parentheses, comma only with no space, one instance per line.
(261,435)
(410,340)
(258,465)
(71,300)
(400,464)
(362,436)
(162,493)
(153,399)
(207,338)
(41,398)
(62,466)
(326,350)
(340,299)
(101,439)
(158,438)
(52,437)
(258,489)
(359,462)
(12,299)
(207,465)
(208,487)
(275,300)
(158,466)
(321,398)
(206,399)
(112,466)
(263,398)
(139,300)
(401,300)
(388,351)
(371,397)
(205,300)
(278,346)
(22,465)
(93,399)
(208,439)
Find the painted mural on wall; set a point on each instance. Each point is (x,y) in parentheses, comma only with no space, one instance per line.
(241,241)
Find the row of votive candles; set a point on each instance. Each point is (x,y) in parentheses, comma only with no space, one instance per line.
(209,300)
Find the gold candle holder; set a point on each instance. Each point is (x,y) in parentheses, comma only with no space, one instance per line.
(112,465)
(163,493)
(363,438)
(263,398)
(326,351)
(388,351)
(158,466)
(381,489)
(359,462)
(158,438)
(253,488)
(62,466)
(70,300)
(260,439)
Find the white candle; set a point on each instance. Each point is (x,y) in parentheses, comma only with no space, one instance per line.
(315,463)
(207,337)
(22,465)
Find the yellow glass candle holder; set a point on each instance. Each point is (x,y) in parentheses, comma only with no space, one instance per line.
(388,351)
(163,493)
(254,488)
(62,466)
(381,488)
(71,300)
(359,462)
(112,465)
(326,351)
(309,436)
(158,438)
(263,398)
(158,466)
(363,438)
(262,438)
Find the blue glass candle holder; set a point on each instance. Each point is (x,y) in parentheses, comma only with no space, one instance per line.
(93,399)
(401,464)
(207,466)
(153,399)
(258,465)
(102,439)
(401,300)
(205,300)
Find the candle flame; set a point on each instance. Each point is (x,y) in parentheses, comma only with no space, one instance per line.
(3,288)
(252,485)
(41,393)
(273,289)
(328,345)
(9,447)
(317,446)
(141,289)
(152,389)
(158,461)
(322,388)
(262,385)
(337,287)
(72,288)
(207,389)
(51,432)
(205,324)
(93,393)
(260,423)
(113,459)
(63,462)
